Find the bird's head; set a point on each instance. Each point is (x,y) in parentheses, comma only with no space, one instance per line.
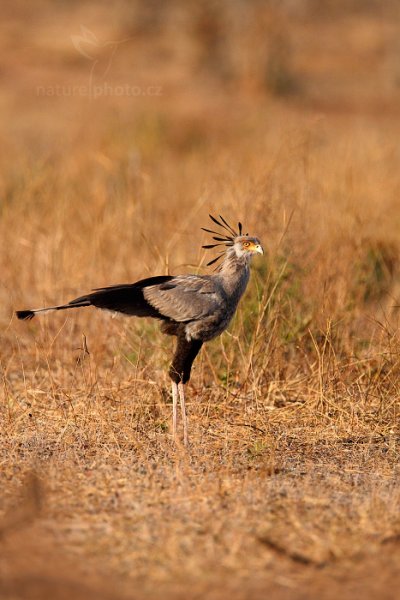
(245,246)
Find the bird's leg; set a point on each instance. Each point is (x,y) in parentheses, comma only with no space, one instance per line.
(174,407)
(183,409)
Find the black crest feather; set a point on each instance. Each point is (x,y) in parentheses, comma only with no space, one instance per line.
(223,239)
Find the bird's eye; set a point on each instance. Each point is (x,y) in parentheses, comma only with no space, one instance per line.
(246,244)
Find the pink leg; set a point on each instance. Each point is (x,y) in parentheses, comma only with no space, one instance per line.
(184,417)
(174,408)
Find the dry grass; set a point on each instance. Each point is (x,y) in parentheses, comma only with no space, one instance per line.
(290,486)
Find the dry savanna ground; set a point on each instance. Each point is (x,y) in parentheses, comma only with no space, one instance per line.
(287,118)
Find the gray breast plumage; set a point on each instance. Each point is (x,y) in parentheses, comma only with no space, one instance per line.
(204,305)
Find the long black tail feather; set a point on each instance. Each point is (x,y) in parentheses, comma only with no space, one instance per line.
(127,299)
(27,315)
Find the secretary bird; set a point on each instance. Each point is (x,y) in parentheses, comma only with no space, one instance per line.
(194,308)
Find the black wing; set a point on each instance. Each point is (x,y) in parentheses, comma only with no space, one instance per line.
(127,298)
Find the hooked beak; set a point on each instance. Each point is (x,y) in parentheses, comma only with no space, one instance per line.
(259,249)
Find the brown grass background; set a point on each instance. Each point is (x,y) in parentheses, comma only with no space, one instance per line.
(285,116)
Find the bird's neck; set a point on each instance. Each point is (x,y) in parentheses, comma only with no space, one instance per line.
(234,272)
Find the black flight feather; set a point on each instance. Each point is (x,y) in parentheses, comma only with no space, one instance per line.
(127,298)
